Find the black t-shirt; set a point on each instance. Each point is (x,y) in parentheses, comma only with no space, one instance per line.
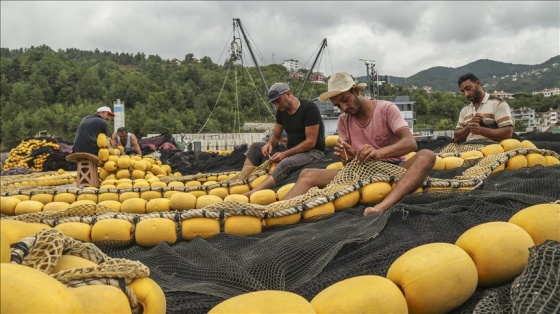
(86,135)
(306,115)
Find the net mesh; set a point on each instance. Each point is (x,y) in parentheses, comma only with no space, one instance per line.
(307,257)
(43,251)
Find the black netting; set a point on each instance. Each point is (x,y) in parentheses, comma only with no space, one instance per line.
(308,257)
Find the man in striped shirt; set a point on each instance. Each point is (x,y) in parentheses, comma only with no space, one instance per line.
(487,118)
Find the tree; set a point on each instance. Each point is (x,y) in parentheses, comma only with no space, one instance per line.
(520,126)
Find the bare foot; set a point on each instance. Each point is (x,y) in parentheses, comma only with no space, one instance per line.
(374,210)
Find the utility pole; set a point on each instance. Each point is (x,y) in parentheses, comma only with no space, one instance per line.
(371,76)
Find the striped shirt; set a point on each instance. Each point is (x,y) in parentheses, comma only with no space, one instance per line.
(495,113)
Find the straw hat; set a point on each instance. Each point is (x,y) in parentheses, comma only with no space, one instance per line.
(339,83)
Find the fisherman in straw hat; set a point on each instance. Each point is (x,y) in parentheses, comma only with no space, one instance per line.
(369,129)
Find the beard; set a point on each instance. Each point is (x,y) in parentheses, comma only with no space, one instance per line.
(476,97)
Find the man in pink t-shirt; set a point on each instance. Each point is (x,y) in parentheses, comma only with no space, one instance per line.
(369,130)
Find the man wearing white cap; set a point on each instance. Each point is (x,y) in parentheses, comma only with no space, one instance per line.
(302,122)
(90,126)
(368,130)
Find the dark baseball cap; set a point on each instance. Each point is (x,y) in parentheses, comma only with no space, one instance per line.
(277,90)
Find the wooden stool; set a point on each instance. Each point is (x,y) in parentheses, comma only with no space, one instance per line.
(87,169)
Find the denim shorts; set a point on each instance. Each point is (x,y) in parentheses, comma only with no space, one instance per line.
(287,165)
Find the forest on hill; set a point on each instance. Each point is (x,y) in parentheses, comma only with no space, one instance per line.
(44,89)
(512,78)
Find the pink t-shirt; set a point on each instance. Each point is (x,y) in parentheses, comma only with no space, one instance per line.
(379,131)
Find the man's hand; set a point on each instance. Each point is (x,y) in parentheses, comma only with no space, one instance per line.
(278,157)
(266,149)
(344,150)
(366,153)
(475,128)
(474,125)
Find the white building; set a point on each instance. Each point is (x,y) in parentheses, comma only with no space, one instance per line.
(550,118)
(291,64)
(501,94)
(527,116)
(548,92)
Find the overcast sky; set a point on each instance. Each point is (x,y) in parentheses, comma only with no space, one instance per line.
(403,37)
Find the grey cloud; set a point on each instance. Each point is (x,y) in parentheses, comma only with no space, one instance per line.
(404,37)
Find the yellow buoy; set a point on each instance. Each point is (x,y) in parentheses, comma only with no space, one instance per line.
(77,230)
(149,295)
(182,201)
(472,154)
(239,189)
(375,192)
(434,277)
(452,162)
(527,144)
(362,294)
(516,162)
(492,149)
(259,180)
(65,197)
(551,161)
(500,251)
(112,204)
(510,144)
(134,205)
(5,249)
(264,301)
(8,205)
(347,200)
(111,230)
(335,165)
(541,221)
(199,227)
(263,197)
(281,193)
(27,207)
(221,192)
(243,225)
(102,299)
(331,141)
(534,159)
(150,232)
(319,211)
(205,200)
(237,198)
(44,293)
(282,220)
(158,205)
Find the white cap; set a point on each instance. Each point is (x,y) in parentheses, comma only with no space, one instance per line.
(106,109)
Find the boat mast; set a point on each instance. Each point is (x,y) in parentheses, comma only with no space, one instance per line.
(238,23)
(323,45)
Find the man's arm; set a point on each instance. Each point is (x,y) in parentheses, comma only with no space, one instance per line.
(309,142)
(134,144)
(460,135)
(114,140)
(497,135)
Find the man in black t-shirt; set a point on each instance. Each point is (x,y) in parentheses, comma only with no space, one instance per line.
(302,122)
(89,128)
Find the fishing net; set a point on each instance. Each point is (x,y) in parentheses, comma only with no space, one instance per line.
(307,257)
(43,250)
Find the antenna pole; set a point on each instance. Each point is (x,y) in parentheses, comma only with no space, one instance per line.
(371,75)
(323,45)
(238,21)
